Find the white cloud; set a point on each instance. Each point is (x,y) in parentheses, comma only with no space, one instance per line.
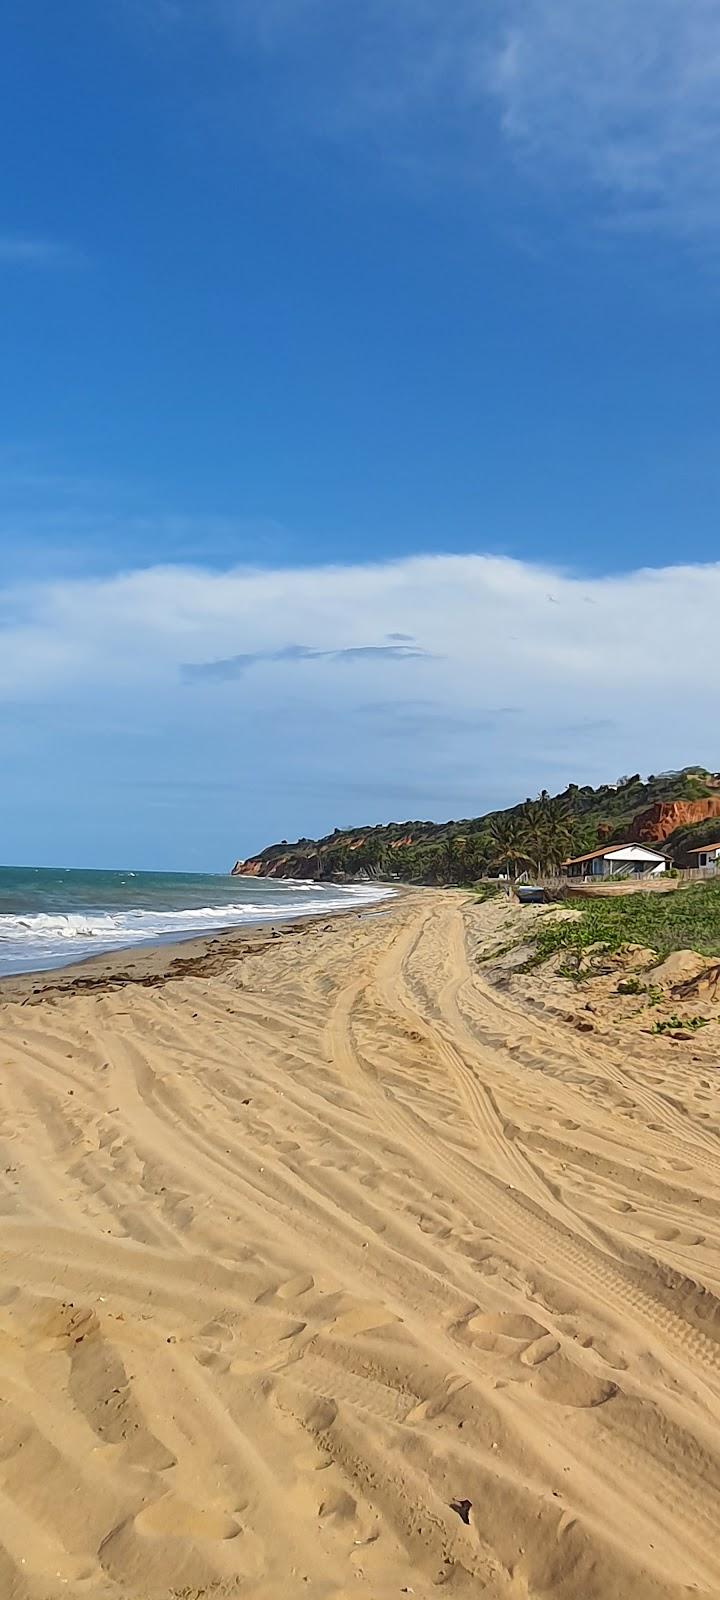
(637,651)
(530,624)
(531,678)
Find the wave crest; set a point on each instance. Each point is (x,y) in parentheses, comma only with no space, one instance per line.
(46,931)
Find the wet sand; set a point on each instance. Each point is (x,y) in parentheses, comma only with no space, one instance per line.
(328,1268)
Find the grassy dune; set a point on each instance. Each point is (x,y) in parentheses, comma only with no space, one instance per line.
(688,919)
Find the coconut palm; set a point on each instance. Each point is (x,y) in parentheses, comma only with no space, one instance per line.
(547,828)
(454,857)
(475,858)
(507,842)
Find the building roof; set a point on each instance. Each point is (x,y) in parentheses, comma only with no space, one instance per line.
(699,849)
(611,849)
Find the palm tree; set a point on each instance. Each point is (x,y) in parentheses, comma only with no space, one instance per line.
(547,828)
(563,827)
(507,842)
(534,827)
(475,858)
(453,856)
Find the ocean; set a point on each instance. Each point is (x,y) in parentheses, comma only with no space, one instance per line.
(51,916)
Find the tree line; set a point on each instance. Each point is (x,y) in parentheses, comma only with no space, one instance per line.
(537,837)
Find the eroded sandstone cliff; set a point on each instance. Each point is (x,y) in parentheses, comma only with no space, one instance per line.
(659,821)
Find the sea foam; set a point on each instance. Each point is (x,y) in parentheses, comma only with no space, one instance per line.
(47,938)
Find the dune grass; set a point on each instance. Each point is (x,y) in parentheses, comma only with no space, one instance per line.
(687,919)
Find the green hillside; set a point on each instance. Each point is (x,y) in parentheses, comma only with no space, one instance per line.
(538,834)
(692,836)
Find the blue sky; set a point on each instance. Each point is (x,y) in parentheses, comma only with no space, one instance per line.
(298,296)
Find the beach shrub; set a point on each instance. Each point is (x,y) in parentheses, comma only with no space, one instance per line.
(686,919)
(487,891)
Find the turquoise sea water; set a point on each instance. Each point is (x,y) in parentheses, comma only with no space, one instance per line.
(51,916)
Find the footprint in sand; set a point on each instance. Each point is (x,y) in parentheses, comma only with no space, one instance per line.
(218,1332)
(560,1381)
(272,1349)
(436,1404)
(173,1516)
(362,1318)
(503,1331)
(301,1284)
(213,1349)
(437,1229)
(595,1340)
(173,1546)
(670,1235)
(337,1503)
(540,1350)
(213,1360)
(291,1331)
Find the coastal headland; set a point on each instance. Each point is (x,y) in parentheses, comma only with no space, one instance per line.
(333,1266)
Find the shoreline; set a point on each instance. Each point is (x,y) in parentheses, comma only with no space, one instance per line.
(169,959)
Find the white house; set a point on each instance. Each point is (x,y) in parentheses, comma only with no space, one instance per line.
(613,860)
(707,855)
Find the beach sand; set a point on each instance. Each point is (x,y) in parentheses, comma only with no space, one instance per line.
(329,1269)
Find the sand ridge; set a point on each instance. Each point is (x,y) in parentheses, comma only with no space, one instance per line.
(329,1269)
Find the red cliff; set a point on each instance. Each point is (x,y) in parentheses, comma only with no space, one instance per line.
(289,866)
(659,821)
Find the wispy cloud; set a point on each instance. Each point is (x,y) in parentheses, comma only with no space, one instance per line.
(629,102)
(28,250)
(624,105)
(233,667)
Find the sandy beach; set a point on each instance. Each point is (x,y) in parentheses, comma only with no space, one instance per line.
(329,1267)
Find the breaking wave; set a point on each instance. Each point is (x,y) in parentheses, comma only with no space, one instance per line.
(46,938)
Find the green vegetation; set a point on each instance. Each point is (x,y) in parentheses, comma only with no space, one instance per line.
(685,919)
(631,985)
(486,891)
(682,840)
(535,836)
(676,1024)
